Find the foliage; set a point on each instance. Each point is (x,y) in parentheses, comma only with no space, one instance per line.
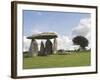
(80,40)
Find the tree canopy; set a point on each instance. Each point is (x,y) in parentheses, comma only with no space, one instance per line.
(80,40)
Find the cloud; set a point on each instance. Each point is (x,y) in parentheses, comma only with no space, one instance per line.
(63,42)
(26,43)
(83,28)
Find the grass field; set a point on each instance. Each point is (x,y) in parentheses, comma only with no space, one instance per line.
(70,60)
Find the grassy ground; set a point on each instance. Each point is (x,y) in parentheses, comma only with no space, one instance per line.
(70,60)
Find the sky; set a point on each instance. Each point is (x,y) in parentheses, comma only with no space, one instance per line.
(66,24)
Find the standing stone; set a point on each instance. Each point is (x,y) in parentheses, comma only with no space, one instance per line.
(42,49)
(30,49)
(55,46)
(34,48)
(48,47)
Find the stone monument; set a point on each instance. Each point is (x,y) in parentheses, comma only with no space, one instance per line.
(46,49)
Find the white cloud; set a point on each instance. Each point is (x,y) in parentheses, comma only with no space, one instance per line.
(26,43)
(83,27)
(63,42)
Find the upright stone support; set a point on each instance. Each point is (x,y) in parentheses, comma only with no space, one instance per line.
(33,48)
(30,49)
(48,47)
(55,46)
(42,49)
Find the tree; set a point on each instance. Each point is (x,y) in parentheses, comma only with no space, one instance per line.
(80,40)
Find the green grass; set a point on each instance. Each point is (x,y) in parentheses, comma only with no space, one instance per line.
(71,60)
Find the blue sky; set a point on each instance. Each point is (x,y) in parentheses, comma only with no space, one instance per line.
(43,21)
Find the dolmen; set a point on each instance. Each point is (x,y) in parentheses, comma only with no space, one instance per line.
(45,49)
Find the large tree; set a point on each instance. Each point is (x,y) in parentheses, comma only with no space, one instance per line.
(80,40)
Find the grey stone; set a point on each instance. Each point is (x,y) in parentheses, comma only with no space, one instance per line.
(48,47)
(42,49)
(30,49)
(55,46)
(43,35)
(33,48)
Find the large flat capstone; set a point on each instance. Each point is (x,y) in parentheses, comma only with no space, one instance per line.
(44,35)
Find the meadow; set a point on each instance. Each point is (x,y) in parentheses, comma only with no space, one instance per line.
(74,59)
